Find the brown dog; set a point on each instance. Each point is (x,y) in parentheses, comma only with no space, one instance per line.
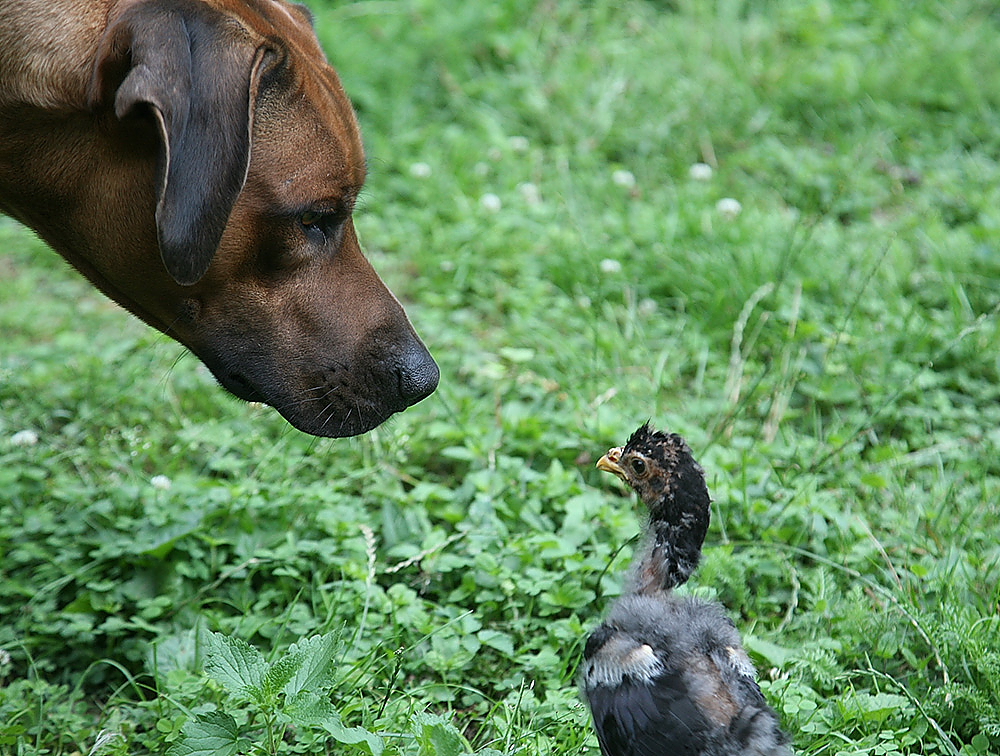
(198,161)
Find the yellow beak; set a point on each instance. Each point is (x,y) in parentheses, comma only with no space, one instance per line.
(610,462)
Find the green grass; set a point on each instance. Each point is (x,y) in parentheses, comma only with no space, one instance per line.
(832,353)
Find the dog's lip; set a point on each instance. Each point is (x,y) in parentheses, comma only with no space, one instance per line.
(238,385)
(241,387)
(402,386)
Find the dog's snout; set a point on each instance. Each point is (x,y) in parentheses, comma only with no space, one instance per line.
(418,374)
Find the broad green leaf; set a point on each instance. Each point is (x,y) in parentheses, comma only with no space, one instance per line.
(877,707)
(354,735)
(313,671)
(313,709)
(278,674)
(309,708)
(438,737)
(237,665)
(981,743)
(211,734)
(772,653)
(494,639)
(874,480)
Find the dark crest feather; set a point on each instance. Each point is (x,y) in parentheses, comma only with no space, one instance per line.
(646,439)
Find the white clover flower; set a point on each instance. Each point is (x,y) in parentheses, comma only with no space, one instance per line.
(530,193)
(700,172)
(728,207)
(610,267)
(25,437)
(647,307)
(160,482)
(519,143)
(490,202)
(420,170)
(623,178)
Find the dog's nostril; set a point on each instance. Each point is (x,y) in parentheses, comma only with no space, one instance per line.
(418,375)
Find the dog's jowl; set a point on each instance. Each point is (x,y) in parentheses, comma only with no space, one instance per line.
(198,161)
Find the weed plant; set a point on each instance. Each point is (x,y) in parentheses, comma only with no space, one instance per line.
(184,573)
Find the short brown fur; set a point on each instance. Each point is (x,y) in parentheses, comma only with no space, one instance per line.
(198,161)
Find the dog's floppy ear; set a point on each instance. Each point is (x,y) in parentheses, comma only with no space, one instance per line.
(197,73)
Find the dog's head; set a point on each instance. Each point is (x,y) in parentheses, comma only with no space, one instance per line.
(255,165)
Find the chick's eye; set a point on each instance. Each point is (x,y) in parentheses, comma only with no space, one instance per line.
(638,466)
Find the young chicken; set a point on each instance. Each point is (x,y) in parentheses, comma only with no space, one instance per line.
(666,674)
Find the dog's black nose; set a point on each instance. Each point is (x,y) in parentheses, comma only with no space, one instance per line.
(418,374)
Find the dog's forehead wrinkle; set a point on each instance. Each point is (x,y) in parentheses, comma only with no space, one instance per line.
(277,18)
(312,118)
(283,9)
(299,189)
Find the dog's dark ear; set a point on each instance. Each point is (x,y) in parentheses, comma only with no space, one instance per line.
(196,72)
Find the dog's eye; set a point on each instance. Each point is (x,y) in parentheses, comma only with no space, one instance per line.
(323,227)
(316,222)
(310,218)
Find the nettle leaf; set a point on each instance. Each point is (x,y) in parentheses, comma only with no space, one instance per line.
(277,675)
(211,734)
(310,708)
(437,736)
(237,665)
(316,659)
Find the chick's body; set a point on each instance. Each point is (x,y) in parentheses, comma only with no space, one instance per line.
(666,674)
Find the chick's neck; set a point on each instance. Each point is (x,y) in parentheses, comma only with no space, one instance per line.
(669,554)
